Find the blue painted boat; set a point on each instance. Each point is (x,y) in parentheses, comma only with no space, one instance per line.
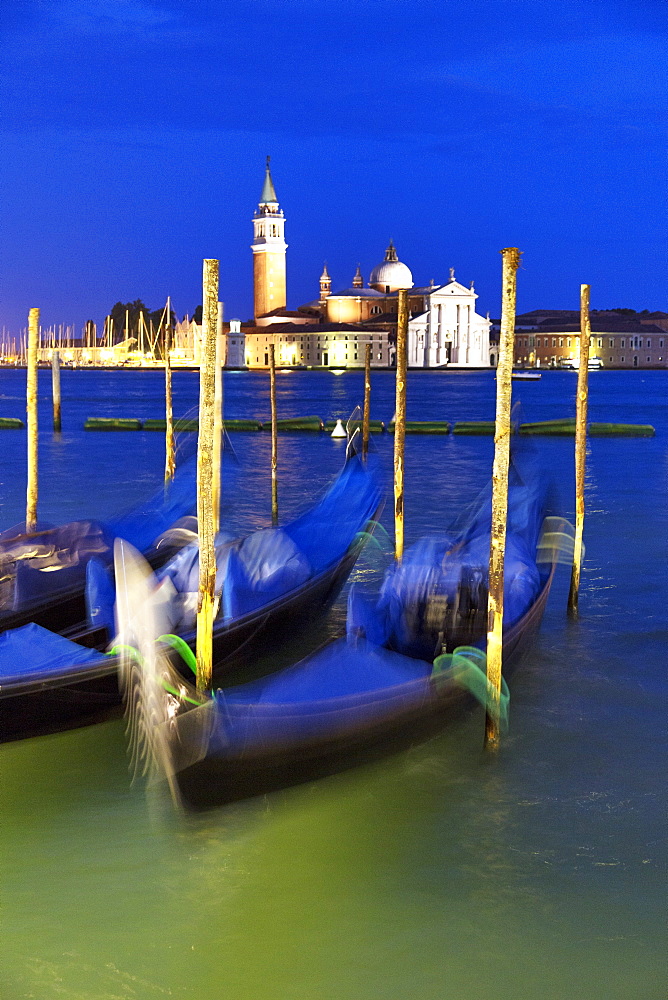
(272,581)
(407,666)
(43,573)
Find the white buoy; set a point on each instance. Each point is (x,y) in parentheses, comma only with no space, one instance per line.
(339,431)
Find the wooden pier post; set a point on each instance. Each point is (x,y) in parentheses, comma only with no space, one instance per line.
(207,603)
(274,436)
(400,423)
(170,456)
(511,261)
(367,401)
(31,413)
(218,420)
(580,447)
(55,391)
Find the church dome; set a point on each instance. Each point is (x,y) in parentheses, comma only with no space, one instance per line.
(391,274)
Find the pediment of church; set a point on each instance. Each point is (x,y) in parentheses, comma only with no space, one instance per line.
(455,288)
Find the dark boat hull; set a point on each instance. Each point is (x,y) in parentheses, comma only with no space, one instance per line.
(219,779)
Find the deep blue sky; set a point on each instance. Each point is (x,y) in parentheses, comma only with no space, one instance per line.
(134,134)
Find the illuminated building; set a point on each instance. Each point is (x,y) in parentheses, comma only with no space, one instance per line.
(333,329)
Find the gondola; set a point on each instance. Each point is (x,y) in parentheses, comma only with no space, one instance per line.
(43,572)
(376,690)
(50,682)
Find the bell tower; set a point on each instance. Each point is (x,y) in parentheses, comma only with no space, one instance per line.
(268,248)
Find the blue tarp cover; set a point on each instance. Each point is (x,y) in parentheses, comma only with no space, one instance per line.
(447,565)
(342,685)
(32,652)
(256,570)
(39,565)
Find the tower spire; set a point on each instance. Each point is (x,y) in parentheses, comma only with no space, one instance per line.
(268,196)
(325,283)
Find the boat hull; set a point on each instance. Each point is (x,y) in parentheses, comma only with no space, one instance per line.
(219,779)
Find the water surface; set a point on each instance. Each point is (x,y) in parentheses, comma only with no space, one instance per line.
(437,873)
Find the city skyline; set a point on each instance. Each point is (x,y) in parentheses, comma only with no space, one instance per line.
(453,136)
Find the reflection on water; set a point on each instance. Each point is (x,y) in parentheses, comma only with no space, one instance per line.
(437,873)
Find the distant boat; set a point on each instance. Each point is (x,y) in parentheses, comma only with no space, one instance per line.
(526,376)
(594,364)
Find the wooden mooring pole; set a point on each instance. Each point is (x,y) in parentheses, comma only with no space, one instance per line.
(55,391)
(274,436)
(31,414)
(170,455)
(400,423)
(218,419)
(207,603)
(366,416)
(580,447)
(504,370)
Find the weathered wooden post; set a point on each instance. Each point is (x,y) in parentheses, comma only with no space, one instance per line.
(400,423)
(218,419)
(55,391)
(207,603)
(580,447)
(504,370)
(31,412)
(367,401)
(170,456)
(274,436)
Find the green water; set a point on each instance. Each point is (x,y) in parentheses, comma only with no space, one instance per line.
(431,875)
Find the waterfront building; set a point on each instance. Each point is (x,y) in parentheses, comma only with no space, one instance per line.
(546,338)
(326,345)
